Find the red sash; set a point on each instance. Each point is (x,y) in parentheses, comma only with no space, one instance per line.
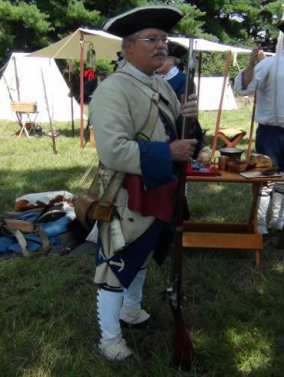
(158,202)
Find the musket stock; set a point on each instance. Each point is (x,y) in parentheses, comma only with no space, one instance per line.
(184,352)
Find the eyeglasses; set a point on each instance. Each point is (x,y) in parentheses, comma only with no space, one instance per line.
(153,40)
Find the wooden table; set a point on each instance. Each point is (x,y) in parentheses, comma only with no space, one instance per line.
(228,235)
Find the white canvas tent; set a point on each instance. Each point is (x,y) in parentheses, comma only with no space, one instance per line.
(200,44)
(106,45)
(25,84)
(210,94)
(76,45)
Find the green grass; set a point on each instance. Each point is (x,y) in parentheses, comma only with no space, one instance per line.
(233,310)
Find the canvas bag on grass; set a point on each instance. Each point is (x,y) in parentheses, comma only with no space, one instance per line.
(20,227)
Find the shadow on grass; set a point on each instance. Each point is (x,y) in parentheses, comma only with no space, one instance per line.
(235,311)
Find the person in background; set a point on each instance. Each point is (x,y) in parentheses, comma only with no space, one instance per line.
(265,75)
(102,76)
(90,84)
(117,63)
(172,69)
(120,109)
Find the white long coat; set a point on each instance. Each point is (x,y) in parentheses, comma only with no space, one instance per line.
(118,111)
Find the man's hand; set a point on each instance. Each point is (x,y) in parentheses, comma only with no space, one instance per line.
(256,56)
(183,150)
(189,107)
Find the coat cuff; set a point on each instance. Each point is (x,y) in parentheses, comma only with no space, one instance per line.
(156,163)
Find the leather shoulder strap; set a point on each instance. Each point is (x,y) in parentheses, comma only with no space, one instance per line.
(155,96)
(118,177)
(148,129)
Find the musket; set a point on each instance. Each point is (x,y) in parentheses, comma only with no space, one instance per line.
(184,352)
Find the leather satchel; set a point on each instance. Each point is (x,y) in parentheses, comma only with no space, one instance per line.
(90,208)
(84,205)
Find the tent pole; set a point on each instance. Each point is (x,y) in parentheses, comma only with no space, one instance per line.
(19,115)
(226,70)
(17,79)
(199,77)
(82,89)
(49,116)
(12,101)
(70,69)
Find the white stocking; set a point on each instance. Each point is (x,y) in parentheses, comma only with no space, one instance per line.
(276,221)
(132,296)
(108,311)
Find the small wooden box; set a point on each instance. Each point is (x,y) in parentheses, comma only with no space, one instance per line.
(24,107)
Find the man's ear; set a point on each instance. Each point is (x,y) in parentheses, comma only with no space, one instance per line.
(128,45)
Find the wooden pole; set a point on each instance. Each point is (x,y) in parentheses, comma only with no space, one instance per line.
(199,77)
(19,115)
(49,116)
(12,101)
(226,70)
(70,70)
(82,89)
(251,126)
(17,79)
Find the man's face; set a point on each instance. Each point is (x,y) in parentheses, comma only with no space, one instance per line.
(148,50)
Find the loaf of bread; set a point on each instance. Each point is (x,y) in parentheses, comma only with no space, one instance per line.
(204,156)
(262,161)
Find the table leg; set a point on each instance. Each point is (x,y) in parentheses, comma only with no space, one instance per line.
(228,235)
(252,223)
(257,257)
(23,128)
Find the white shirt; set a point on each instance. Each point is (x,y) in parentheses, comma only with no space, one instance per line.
(269,81)
(172,73)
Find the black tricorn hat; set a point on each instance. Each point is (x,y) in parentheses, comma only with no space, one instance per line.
(176,50)
(280,25)
(158,17)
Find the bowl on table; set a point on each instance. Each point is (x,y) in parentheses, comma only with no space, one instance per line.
(237,166)
(232,153)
